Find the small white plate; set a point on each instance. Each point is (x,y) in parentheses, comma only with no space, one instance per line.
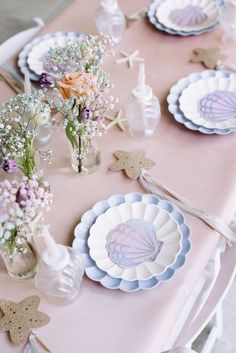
(188,15)
(167,231)
(210,102)
(39,51)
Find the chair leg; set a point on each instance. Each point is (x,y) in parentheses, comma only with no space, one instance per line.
(219,321)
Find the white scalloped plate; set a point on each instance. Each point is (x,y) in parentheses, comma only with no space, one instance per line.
(210,102)
(38,52)
(188,15)
(167,231)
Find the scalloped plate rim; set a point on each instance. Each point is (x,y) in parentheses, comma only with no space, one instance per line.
(152,275)
(182,103)
(184,29)
(153,20)
(139,285)
(173,100)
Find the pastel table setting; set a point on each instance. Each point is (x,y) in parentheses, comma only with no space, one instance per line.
(126,305)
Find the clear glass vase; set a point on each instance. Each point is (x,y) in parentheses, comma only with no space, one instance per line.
(21,260)
(85,159)
(228,22)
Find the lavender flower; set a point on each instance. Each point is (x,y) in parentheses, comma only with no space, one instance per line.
(47,80)
(86,113)
(9,166)
(22,196)
(20,203)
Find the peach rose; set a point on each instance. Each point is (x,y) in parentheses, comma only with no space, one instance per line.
(76,84)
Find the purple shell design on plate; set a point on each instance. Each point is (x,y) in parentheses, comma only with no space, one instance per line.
(218,106)
(132,243)
(188,16)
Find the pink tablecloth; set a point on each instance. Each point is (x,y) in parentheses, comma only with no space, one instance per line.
(201,168)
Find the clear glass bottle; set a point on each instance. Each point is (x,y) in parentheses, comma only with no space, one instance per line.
(142,109)
(228,21)
(59,273)
(110,20)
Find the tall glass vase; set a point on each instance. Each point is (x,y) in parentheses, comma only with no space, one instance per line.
(86,158)
(21,260)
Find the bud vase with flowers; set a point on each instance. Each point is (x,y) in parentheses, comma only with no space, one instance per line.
(80,95)
(20,119)
(21,205)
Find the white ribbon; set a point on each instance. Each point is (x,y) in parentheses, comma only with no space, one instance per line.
(163,192)
(180,350)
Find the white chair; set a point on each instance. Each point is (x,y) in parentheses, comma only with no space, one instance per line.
(13,45)
(207,306)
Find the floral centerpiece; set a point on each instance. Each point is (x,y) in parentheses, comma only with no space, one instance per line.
(21,205)
(20,119)
(80,94)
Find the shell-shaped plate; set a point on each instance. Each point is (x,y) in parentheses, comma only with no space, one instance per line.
(210,102)
(183,83)
(133,242)
(188,15)
(151,13)
(88,219)
(218,106)
(166,229)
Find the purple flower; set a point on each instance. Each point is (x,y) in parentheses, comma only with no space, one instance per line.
(46,80)
(9,166)
(86,113)
(22,196)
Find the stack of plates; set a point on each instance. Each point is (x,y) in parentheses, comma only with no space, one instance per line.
(205,102)
(131,242)
(32,56)
(185,17)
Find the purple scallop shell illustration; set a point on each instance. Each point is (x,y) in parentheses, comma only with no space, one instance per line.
(188,16)
(132,243)
(218,106)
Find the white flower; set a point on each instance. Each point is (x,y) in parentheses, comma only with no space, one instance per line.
(3,218)
(7,235)
(1,231)
(9,226)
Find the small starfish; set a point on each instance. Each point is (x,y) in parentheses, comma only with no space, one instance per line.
(20,318)
(209,57)
(116,120)
(131,162)
(136,16)
(129,58)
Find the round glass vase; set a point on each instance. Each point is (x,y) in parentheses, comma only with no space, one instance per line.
(21,260)
(86,158)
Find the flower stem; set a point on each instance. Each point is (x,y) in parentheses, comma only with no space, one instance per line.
(80,159)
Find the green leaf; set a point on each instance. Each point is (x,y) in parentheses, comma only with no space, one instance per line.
(71,137)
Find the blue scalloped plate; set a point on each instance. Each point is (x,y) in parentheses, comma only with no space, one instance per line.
(23,55)
(93,272)
(151,13)
(175,93)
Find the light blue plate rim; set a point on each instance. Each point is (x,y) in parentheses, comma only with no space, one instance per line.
(176,90)
(81,234)
(151,13)
(22,57)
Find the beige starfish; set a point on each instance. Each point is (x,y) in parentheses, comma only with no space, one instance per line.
(20,318)
(129,58)
(209,57)
(131,162)
(116,120)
